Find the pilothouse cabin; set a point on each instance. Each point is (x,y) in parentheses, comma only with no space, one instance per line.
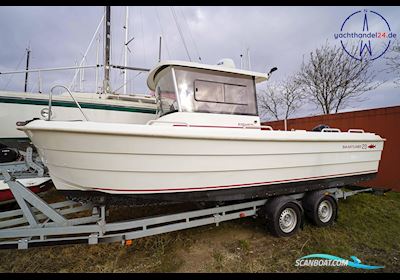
(188,87)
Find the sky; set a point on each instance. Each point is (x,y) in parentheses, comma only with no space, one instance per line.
(275,36)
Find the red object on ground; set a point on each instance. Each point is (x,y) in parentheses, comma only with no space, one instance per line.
(382,121)
(7,196)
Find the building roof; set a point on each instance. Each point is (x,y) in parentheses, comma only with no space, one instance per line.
(151,82)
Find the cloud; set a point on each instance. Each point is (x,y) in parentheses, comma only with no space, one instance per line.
(276,36)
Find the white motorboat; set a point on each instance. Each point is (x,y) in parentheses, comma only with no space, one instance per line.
(206,144)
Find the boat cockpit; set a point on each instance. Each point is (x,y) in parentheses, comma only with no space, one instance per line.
(194,87)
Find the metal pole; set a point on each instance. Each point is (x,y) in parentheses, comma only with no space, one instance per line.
(28,51)
(159,50)
(130,68)
(248,59)
(107,44)
(74,86)
(40,82)
(97,63)
(80,80)
(241,61)
(126,46)
(87,50)
(50,69)
(83,75)
(76,102)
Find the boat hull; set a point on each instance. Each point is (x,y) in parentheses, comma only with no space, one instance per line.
(22,107)
(149,159)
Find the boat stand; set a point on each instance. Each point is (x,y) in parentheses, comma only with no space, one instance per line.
(38,223)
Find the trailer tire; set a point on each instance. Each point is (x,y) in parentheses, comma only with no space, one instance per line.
(284,216)
(320,208)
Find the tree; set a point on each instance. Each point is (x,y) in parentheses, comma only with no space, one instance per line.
(269,102)
(292,97)
(332,79)
(281,100)
(393,62)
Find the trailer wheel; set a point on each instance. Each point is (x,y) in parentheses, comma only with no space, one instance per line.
(284,216)
(320,208)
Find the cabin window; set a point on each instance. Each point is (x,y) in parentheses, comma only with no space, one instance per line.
(235,94)
(202,90)
(207,91)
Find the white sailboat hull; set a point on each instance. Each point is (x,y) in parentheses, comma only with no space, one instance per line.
(21,107)
(12,113)
(153,159)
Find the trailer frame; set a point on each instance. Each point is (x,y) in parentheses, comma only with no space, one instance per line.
(38,223)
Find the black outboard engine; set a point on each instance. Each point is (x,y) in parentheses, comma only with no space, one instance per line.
(320,127)
(7,154)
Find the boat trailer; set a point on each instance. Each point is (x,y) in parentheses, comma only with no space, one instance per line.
(38,223)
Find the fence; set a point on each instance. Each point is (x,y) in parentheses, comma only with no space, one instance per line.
(382,121)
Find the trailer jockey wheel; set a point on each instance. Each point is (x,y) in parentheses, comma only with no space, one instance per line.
(321,208)
(284,216)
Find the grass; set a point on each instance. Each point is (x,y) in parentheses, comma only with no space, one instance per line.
(368,227)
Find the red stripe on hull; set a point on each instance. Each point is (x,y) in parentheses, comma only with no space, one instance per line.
(238,185)
(212,126)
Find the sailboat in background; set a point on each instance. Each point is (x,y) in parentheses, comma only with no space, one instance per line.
(102,106)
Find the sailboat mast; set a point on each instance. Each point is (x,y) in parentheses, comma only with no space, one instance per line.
(248,59)
(159,50)
(107,44)
(28,51)
(126,45)
(97,64)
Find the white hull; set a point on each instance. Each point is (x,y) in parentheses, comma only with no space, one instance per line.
(16,107)
(150,159)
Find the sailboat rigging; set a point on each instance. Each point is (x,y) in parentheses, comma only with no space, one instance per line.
(106,107)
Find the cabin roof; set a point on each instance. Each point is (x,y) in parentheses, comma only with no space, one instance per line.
(151,83)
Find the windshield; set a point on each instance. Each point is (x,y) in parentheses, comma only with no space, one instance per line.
(207,91)
(165,94)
